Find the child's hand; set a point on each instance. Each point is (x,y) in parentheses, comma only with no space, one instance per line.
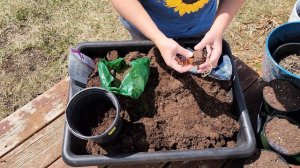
(169,49)
(213,43)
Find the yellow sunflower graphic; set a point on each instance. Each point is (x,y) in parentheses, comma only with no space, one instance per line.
(186,6)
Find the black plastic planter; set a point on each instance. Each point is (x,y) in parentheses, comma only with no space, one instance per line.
(254,157)
(289,107)
(268,145)
(245,139)
(76,114)
(285,50)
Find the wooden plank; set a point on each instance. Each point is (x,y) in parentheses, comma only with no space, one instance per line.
(40,150)
(246,75)
(253,97)
(32,117)
(61,164)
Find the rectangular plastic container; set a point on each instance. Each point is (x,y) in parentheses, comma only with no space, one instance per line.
(246,143)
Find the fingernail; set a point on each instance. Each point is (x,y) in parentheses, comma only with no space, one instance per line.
(191,53)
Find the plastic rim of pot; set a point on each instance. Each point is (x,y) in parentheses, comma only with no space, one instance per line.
(295,14)
(267,145)
(77,104)
(271,110)
(279,156)
(283,34)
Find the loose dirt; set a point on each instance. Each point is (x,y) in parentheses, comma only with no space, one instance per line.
(175,112)
(282,95)
(97,118)
(291,63)
(112,55)
(285,135)
(262,158)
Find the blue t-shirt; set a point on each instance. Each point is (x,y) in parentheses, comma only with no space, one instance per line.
(181,18)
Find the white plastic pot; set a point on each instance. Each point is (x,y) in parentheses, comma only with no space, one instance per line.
(295,14)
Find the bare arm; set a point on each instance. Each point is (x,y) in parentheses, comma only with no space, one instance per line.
(213,38)
(226,11)
(135,13)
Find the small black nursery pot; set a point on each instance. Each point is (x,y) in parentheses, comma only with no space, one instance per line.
(94,114)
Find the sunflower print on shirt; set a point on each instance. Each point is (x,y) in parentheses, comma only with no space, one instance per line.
(185,6)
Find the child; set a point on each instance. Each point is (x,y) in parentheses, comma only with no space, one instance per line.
(162,20)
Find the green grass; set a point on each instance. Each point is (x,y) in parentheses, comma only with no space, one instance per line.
(36,35)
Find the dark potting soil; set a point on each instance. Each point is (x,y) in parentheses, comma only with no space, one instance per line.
(265,159)
(175,112)
(132,56)
(284,134)
(97,118)
(291,63)
(282,95)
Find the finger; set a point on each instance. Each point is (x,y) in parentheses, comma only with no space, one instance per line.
(206,63)
(209,50)
(201,44)
(215,56)
(184,52)
(205,67)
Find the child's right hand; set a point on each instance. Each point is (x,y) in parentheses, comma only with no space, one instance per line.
(169,48)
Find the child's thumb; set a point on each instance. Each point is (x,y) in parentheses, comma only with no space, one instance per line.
(200,45)
(185,52)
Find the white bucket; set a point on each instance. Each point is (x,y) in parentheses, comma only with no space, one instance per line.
(295,14)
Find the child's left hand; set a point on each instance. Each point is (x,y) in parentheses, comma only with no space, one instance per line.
(213,43)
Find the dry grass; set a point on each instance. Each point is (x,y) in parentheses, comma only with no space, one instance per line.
(247,33)
(35,36)
(34,40)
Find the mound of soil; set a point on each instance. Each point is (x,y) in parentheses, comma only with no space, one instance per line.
(282,95)
(175,112)
(97,118)
(284,134)
(291,63)
(263,158)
